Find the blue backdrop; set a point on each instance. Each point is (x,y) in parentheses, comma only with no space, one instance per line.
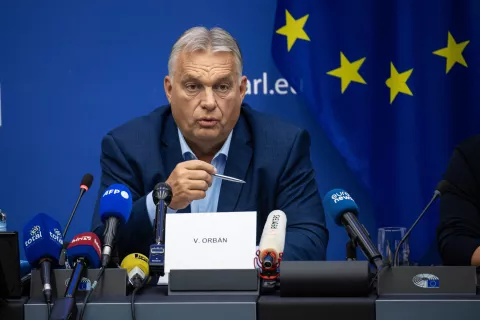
(71,71)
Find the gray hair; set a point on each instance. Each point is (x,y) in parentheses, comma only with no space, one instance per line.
(202,39)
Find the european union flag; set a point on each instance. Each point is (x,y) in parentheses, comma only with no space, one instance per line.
(433,283)
(395,86)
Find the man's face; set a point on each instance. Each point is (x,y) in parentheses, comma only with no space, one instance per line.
(205,96)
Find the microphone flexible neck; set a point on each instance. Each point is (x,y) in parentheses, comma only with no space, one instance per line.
(407,234)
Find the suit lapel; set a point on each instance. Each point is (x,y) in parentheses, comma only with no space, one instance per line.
(170,148)
(239,156)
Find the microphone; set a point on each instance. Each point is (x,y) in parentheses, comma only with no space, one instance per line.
(270,249)
(115,208)
(42,242)
(137,269)
(343,210)
(85,184)
(162,195)
(441,188)
(83,252)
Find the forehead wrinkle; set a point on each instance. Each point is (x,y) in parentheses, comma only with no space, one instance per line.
(213,73)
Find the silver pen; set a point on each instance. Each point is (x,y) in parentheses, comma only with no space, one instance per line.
(221,176)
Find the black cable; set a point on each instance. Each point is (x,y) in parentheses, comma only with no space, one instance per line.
(137,288)
(132,302)
(87,297)
(49,309)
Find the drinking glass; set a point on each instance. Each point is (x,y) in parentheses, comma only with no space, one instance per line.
(388,240)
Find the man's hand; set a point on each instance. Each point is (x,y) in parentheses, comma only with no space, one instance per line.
(189,181)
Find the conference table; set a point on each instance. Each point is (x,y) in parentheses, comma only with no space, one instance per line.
(154,303)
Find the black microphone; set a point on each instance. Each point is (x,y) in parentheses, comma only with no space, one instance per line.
(85,184)
(441,188)
(343,210)
(162,195)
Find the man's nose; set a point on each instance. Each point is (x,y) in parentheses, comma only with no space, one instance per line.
(209,99)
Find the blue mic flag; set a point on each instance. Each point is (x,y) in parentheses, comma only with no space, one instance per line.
(116,202)
(337,202)
(42,238)
(393,85)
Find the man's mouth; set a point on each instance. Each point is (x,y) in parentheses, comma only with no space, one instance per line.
(208,122)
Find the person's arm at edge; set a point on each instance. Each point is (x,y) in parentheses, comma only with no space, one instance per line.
(297,195)
(458,233)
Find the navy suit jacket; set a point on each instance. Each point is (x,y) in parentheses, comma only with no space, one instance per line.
(272,156)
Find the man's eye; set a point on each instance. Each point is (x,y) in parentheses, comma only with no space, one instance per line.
(223,87)
(191,87)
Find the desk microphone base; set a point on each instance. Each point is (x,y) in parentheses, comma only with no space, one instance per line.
(432,280)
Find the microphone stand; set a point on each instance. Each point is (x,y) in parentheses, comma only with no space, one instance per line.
(269,272)
(162,195)
(351,250)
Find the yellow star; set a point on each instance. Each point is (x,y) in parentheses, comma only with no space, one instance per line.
(398,82)
(293,29)
(453,52)
(348,71)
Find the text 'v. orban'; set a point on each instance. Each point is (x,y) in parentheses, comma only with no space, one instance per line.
(210,240)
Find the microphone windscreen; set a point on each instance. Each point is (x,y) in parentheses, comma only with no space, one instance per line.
(42,238)
(85,245)
(162,191)
(274,232)
(135,263)
(86,182)
(116,202)
(443,186)
(337,202)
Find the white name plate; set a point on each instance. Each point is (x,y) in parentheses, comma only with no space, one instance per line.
(219,240)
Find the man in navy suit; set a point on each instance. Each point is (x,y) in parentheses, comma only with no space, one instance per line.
(206,128)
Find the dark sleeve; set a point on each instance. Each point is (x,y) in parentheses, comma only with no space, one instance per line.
(297,196)
(458,233)
(136,235)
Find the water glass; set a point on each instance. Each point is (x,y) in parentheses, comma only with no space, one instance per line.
(388,240)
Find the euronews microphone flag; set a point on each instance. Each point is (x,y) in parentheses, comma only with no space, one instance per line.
(393,85)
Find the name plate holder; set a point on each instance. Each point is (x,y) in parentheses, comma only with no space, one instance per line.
(112,284)
(428,280)
(213,282)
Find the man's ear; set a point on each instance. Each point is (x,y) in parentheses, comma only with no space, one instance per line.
(168,86)
(243,87)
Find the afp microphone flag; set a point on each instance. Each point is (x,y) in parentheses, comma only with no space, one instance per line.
(392,84)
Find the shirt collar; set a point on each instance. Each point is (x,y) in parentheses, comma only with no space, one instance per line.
(186,151)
